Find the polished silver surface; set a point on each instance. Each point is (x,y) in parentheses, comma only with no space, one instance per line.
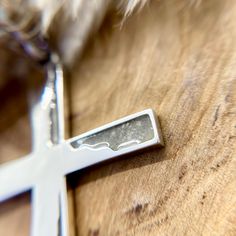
(43,171)
(129,133)
(52,157)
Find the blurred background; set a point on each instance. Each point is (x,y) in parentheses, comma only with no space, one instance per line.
(120,57)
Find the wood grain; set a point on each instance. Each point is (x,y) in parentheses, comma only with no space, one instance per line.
(180,61)
(14,143)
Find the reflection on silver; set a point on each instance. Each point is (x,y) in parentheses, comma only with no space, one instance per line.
(129,133)
(44,170)
(54,70)
(128,144)
(52,157)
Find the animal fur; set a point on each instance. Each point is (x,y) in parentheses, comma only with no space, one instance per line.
(79,19)
(71,22)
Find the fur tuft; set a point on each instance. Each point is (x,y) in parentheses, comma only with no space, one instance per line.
(80,18)
(73,8)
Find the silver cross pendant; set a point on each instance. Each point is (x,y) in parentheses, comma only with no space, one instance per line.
(44,170)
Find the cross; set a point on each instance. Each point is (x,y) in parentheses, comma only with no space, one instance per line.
(52,158)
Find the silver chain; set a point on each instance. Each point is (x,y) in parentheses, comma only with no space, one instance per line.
(20,26)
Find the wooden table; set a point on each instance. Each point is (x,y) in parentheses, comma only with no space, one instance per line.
(180,61)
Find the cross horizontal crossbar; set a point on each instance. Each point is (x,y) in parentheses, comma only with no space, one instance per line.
(75,154)
(53,158)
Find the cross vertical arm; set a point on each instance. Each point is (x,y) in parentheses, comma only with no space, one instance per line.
(46,208)
(47,115)
(47,118)
(64,215)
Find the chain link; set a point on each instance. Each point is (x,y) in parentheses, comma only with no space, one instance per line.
(20,27)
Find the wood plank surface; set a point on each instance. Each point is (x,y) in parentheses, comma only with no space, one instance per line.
(180,61)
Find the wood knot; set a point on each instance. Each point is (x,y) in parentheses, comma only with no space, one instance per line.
(203,197)
(138,209)
(183,171)
(93,232)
